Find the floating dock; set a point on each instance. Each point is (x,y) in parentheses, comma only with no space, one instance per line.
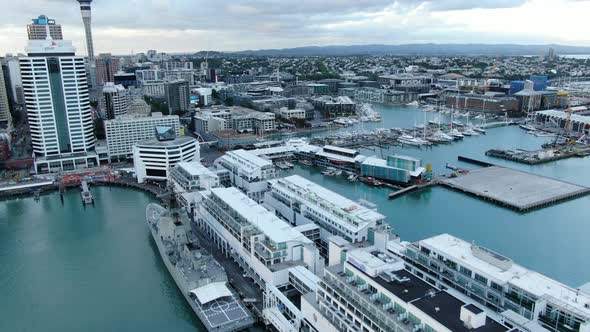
(515,189)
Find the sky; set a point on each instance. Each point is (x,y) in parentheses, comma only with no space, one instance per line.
(125,26)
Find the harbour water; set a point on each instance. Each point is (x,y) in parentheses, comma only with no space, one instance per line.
(70,268)
(94,268)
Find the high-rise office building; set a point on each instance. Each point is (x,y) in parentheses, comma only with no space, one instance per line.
(177,96)
(56,97)
(106,68)
(85,10)
(5,118)
(38,28)
(114,101)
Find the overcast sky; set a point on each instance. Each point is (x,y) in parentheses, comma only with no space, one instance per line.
(120,26)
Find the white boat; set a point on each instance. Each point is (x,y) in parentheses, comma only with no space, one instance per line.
(413,103)
(411,140)
(527,127)
(479,130)
(458,123)
(470,132)
(456,134)
(441,136)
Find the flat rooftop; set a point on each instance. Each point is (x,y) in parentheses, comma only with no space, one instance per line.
(533,282)
(250,159)
(446,309)
(195,168)
(264,220)
(301,186)
(516,189)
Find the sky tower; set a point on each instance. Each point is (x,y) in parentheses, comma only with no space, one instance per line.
(86,18)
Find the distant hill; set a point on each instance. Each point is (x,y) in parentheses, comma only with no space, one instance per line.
(421,49)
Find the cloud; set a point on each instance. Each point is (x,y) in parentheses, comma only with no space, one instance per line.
(192,25)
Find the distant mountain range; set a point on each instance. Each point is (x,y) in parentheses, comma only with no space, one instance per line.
(421,49)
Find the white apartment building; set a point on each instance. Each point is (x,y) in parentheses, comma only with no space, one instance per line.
(248,172)
(265,246)
(58,107)
(192,176)
(524,297)
(371,291)
(300,202)
(123,132)
(152,159)
(114,101)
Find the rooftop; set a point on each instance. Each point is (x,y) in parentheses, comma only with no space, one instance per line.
(446,309)
(533,282)
(195,168)
(175,142)
(265,221)
(251,159)
(563,115)
(302,186)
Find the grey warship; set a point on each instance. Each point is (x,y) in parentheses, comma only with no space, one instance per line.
(200,278)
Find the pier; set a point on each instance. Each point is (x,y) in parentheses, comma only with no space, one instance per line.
(540,156)
(518,190)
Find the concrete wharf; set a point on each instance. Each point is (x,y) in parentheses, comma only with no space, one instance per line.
(518,190)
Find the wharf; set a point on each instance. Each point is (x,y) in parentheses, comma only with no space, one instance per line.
(539,156)
(514,189)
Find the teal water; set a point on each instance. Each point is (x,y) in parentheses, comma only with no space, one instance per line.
(552,241)
(67,268)
(70,268)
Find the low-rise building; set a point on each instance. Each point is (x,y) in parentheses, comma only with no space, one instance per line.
(265,246)
(371,291)
(248,172)
(396,168)
(332,107)
(152,159)
(292,114)
(300,202)
(499,284)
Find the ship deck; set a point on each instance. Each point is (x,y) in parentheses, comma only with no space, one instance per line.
(225,314)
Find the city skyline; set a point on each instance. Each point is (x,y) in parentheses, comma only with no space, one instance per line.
(186,26)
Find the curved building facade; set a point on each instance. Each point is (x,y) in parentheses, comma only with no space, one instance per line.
(152,159)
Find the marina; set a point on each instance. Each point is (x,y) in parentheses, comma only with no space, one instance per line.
(515,189)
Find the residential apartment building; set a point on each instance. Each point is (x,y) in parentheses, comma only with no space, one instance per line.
(300,202)
(369,290)
(114,101)
(265,246)
(192,176)
(522,296)
(248,172)
(177,96)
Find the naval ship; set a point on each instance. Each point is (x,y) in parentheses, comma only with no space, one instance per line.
(200,278)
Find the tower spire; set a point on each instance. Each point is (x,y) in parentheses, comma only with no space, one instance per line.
(87,19)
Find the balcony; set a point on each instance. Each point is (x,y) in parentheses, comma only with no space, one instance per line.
(369,303)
